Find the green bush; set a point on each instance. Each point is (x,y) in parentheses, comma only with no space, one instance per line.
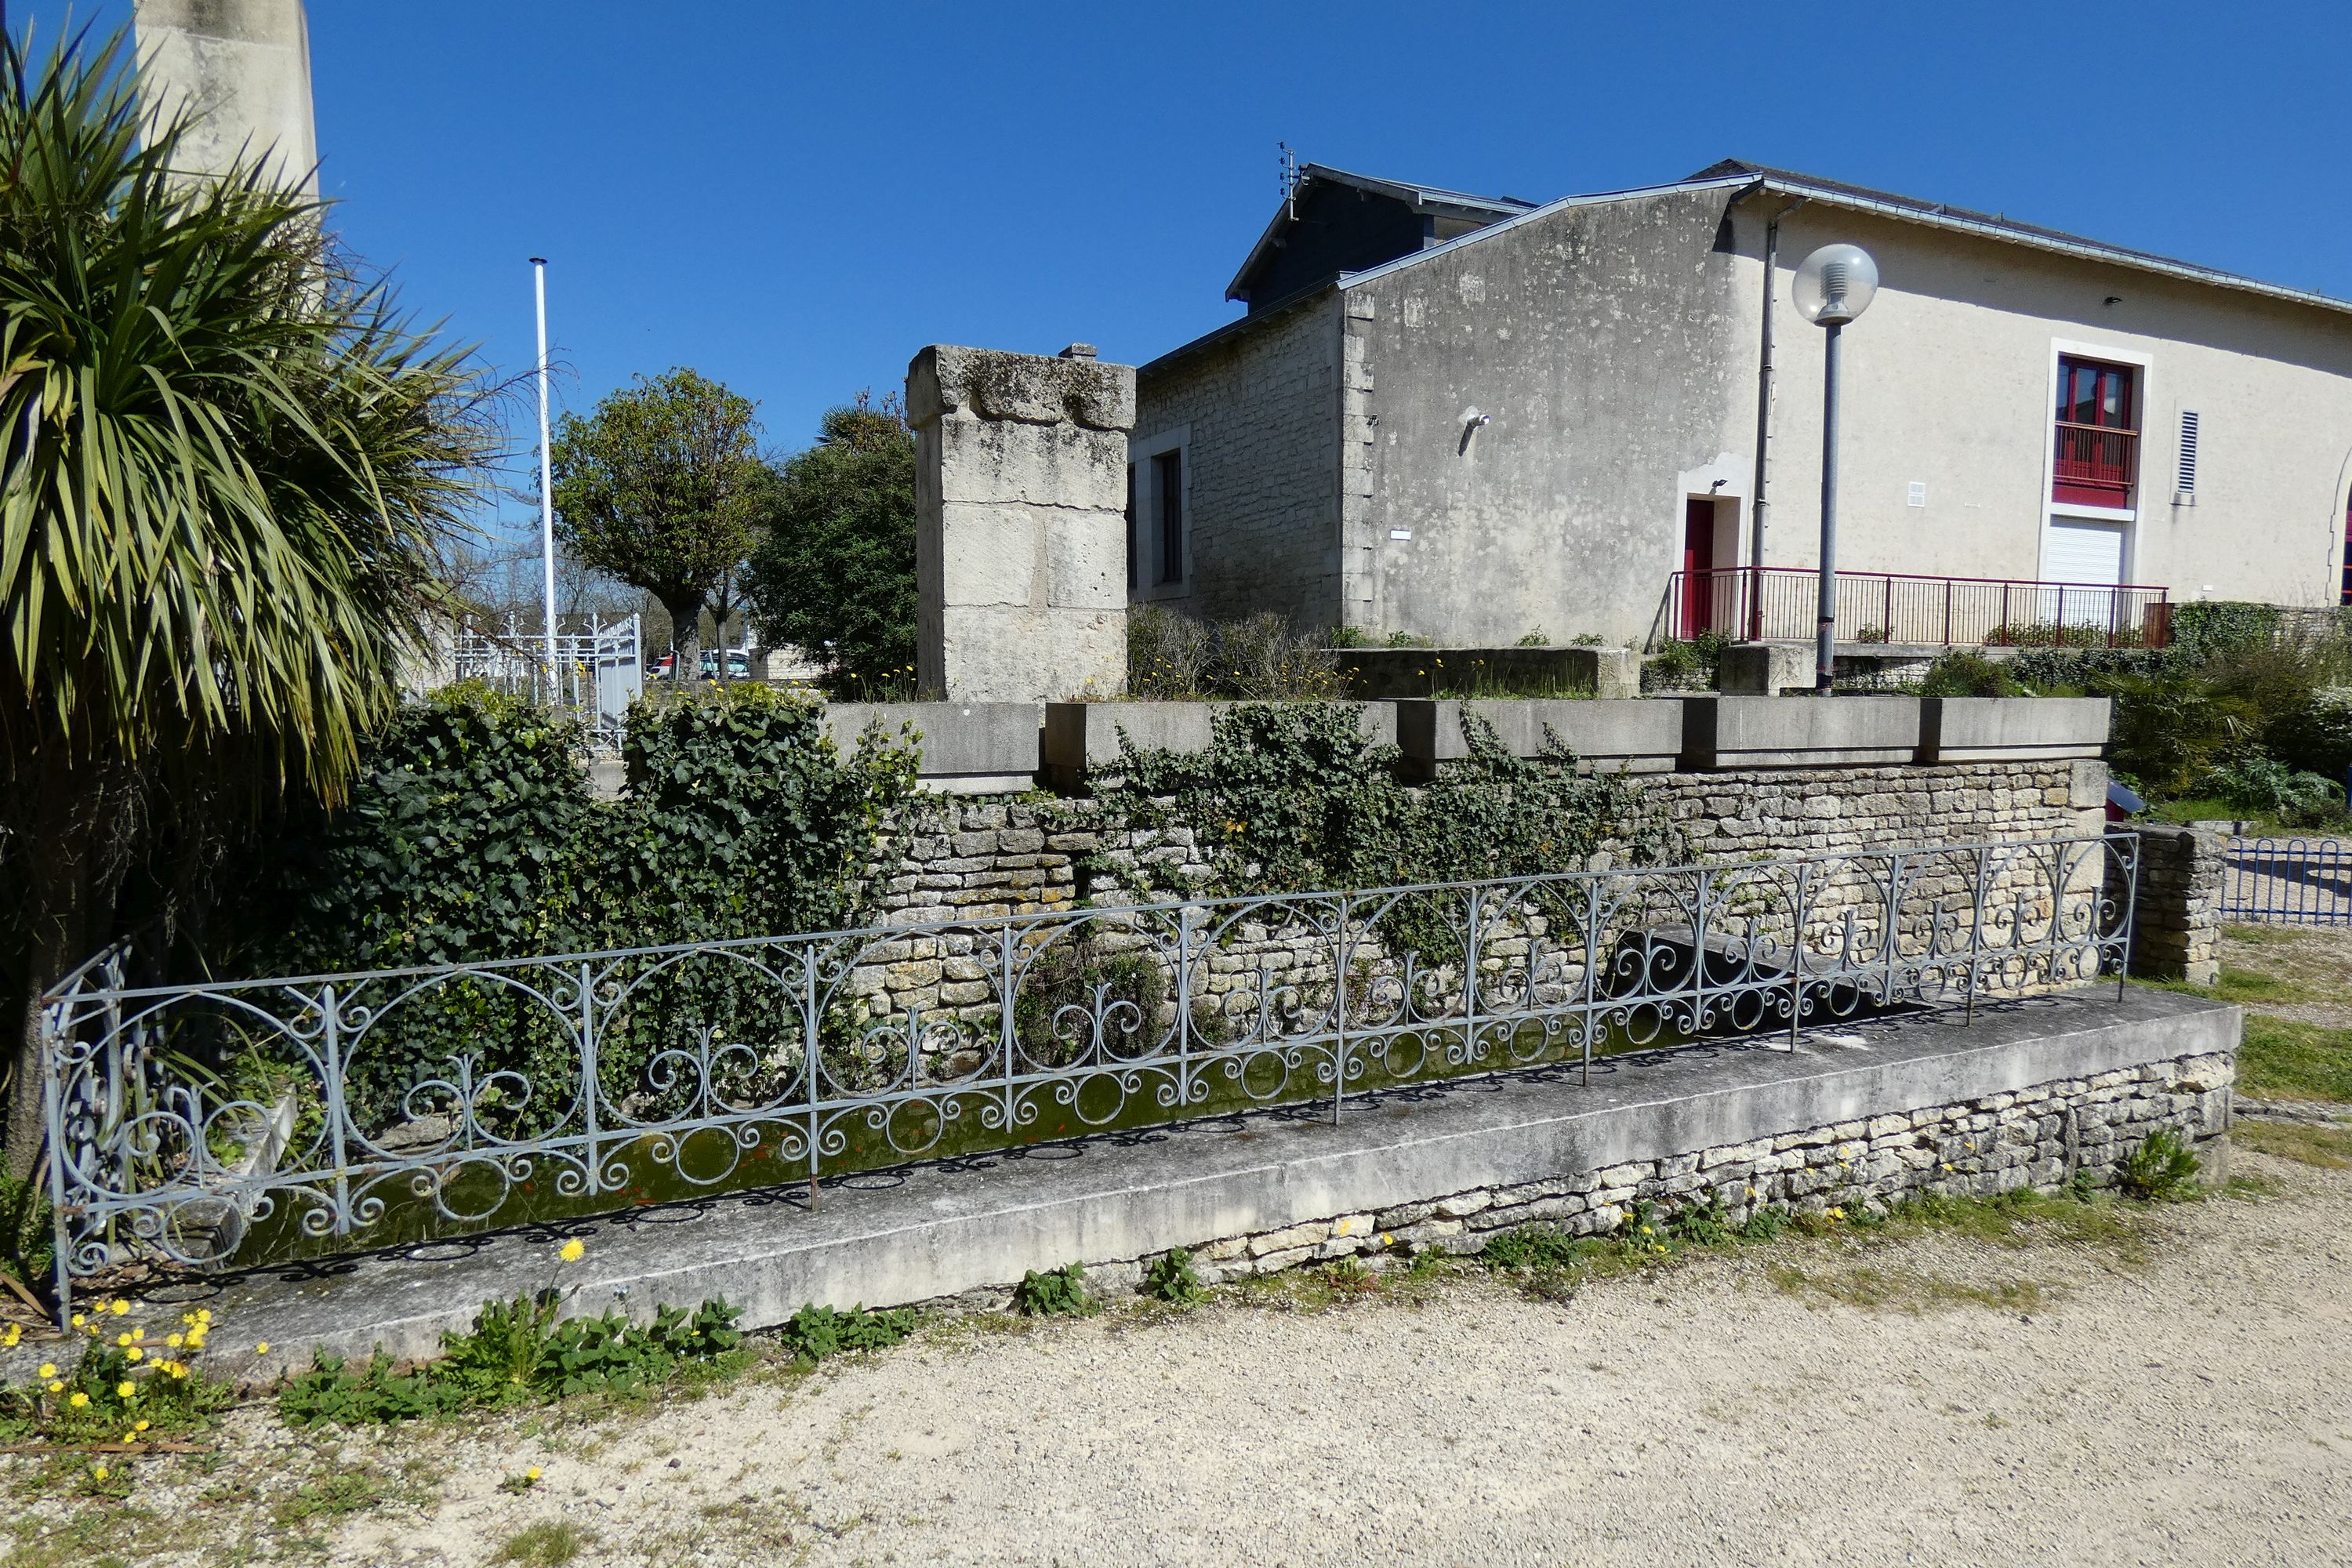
(1963,672)
(2161,1169)
(2262,786)
(1055,1293)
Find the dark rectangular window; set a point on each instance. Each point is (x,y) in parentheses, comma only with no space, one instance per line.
(1168,483)
(1134,579)
(2097,461)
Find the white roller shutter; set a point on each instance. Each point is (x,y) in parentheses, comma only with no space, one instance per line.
(2082,552)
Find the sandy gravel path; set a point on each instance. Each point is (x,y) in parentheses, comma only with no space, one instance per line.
(2192,1407)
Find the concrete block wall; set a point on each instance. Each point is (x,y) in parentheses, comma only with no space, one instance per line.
(2177,925)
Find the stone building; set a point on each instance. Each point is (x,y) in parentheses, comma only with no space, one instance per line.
(1472,417)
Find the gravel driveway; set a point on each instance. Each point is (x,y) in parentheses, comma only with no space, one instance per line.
(2191,1402)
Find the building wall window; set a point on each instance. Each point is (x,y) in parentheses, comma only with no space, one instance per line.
(1168,488)
(2097,459)
(1160,515)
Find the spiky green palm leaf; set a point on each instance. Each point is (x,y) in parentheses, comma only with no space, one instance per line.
(230,467)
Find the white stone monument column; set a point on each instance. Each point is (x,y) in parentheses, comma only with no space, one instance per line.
(1020,523)
(242,70)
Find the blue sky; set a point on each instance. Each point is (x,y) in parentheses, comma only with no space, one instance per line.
(794,198)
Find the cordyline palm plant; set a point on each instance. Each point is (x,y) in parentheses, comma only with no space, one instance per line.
(231,471)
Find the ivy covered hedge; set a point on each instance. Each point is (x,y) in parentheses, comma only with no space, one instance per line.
(1293,797)
(471,835)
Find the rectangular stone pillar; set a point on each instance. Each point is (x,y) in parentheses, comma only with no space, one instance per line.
(1020,523)
(2177,925)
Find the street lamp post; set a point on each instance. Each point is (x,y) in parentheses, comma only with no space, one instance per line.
(1832,285)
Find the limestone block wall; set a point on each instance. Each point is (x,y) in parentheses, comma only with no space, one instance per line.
(1020,524)
(2177,928)
(2044,1136)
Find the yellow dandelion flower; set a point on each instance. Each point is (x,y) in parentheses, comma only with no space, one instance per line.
(261,1349)
(119,1308)
(56,1387)
(573,1251)
(138,1333)
(203,1314)
(136,1353)
(173,1340)
(48,1368)
(142,1427)
(79,1399)
(81,1322)
(531,1474)
(122,1339)
(126,1389)
(100,1473)
(178,1370)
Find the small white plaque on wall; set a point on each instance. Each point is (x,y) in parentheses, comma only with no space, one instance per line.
(1919,492)
(1400,533)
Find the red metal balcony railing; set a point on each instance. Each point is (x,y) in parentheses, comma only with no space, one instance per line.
(1780,603)
(2095,465)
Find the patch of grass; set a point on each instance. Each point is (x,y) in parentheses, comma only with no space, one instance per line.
(2281,1059)
(549,1544)
(2329,1148)
(1878,1290)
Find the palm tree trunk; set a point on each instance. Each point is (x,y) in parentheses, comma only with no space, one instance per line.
(58,894)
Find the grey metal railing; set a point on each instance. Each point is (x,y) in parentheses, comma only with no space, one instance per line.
(2289,881)
(237,1123)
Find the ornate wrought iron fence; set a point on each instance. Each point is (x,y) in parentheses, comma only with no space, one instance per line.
(238,1122)
(2290,881)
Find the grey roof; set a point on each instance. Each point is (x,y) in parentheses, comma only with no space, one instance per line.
(1420,198)
(1733,174)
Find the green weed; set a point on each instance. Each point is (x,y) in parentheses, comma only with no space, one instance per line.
(1171,1278)
(2161,1169)
(1056,1293)
(815,1332)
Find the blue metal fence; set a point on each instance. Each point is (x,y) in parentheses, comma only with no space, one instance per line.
(2288,881)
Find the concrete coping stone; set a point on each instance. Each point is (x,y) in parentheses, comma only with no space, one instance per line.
(967,747)
(1636,734)
(2012,729)
(1741,732)
(1080,737)
(926,1232)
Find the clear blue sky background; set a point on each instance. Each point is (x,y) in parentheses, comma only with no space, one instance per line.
(795,197)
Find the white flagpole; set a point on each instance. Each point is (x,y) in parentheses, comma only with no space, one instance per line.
(546,487)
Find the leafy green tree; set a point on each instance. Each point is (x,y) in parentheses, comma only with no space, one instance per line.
(835,575)
(660,487)
(231,474)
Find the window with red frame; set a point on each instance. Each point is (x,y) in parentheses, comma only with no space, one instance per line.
(2097,460)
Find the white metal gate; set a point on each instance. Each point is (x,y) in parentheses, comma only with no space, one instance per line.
(598,672)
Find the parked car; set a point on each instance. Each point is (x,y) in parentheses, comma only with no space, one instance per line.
(739,664)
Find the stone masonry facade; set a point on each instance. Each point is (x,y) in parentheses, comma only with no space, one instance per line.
(2177,932)
(2046,1137)
(972,857)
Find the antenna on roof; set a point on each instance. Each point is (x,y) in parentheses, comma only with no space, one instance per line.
(1289,181)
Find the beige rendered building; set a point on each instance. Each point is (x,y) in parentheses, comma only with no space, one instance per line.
(1472,417)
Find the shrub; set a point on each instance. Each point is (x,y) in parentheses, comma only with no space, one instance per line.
(2161,1169)
(2262,786)
(1685,666)
(1056,1293)
(1963,672)
(1259,658)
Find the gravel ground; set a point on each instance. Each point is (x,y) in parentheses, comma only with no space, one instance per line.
(2183,1400)
(2314,962)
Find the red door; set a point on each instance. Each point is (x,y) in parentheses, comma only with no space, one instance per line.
(1698,565)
